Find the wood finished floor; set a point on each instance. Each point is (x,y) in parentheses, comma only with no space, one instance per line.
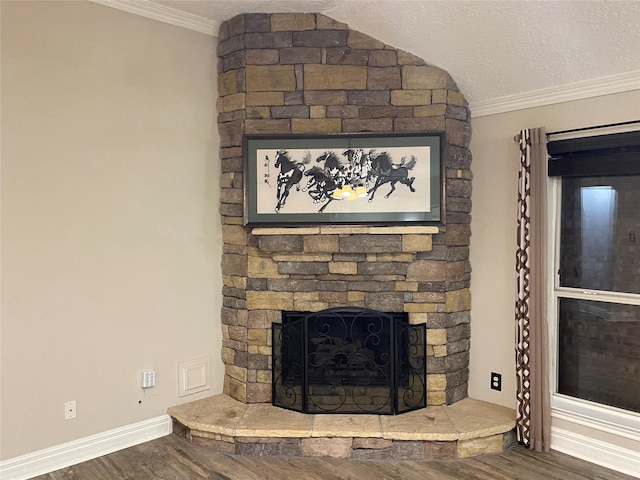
(173,458)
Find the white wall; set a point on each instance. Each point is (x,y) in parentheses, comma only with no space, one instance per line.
(493,229)
(111,240)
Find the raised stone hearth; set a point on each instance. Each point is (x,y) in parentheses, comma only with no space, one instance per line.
(467,428)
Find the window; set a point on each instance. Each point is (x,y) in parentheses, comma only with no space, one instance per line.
(597,289)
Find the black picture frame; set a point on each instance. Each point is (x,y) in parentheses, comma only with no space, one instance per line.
(311,180)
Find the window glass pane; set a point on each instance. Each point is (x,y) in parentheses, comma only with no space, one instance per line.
(599,352)
(600,233)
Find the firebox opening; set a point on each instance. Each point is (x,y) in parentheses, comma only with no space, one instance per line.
(349,360)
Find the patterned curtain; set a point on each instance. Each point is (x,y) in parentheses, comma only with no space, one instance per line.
(533,423)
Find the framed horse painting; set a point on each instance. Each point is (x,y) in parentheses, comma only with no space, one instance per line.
(343,179)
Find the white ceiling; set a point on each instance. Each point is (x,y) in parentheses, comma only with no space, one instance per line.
(492,48)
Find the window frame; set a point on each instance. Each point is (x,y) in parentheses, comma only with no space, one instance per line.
(606,418)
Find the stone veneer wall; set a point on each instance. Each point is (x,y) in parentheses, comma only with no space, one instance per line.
(308,74)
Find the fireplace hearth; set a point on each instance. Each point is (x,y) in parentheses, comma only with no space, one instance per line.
(349,360)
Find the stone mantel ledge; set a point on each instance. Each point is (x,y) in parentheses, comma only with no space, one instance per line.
(462,421)
(347,230)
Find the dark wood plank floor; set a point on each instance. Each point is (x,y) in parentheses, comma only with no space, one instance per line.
(173,458)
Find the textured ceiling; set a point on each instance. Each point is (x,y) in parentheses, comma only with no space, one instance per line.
(491,48)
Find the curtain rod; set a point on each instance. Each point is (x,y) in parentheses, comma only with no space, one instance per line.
(595,127)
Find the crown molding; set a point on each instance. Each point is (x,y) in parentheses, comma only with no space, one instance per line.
(164,14)
(608,85)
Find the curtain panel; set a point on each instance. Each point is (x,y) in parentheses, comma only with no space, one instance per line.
(533,422)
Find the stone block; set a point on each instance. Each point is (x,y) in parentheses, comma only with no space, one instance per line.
(427,271)
(315,125)
(385,112)
(385,302)
(406,58)
(258,392)
(257,99)
(360,40)
(355,296)
(281,243)
(411,97)
(430,110)
(407,450)
(346,56)
(456,98)
(424,78)
(370,244)
(292,285)
(383,58)
(480,446)
(458,132)
(230,82)
(440,450)
(235,25)
(458,235)
(458,300)
(262,56)
(262,318)
(270,78)
(334,77)
(257,22)
(318,111)
(344,268)
(380,125)
(261,267)
(436,398)
(379,97)
(327,23)
(290,111)
(231,195)
(234,61)
(303,268)
(385,78)
(333,298)
(293,55)
(230,134)
(419,124)
(268,40)
(459,188)
(457,113)
(416,318)
(371,443)
(436,336)
(281,22)
(320,38)
(330,97)
(237,373)
(258,112)
(326,447)
(234,234)
(437,382)
(457,270)
(346,111)
(417,243)
(234,265)
(420,307)
(382,268)
(231,45)
(269,301)
(257,336)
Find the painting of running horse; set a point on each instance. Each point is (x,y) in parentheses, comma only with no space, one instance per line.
(351,179)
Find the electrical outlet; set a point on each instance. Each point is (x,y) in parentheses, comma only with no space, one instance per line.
(496,381)
(70,410)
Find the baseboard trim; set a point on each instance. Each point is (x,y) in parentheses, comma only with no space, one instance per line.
(87,448)
(596,451)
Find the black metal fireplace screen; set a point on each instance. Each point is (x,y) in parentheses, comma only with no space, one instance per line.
(349,360)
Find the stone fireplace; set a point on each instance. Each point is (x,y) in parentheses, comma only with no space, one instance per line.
(308,74)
